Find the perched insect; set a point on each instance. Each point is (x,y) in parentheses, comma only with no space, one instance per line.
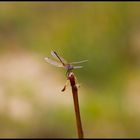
(61,62)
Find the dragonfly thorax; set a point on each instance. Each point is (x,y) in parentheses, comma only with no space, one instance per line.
(69,67)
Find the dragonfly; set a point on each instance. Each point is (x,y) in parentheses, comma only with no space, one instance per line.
(59,61)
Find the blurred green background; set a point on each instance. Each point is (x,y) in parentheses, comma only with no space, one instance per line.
(105,33)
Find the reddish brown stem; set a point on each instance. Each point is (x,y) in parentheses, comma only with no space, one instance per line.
(71,77)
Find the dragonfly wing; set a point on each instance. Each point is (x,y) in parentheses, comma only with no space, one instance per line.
(79,62)
(55,63)
(55,55)
(77,67)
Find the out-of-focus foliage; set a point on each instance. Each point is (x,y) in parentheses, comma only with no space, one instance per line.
(105,33)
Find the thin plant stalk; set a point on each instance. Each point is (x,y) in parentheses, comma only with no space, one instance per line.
(71,78)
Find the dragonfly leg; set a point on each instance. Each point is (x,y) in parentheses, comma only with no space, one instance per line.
(67,73)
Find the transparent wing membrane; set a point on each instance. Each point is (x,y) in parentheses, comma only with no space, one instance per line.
(55,63)
(61,62)
(79,62)
(56,56)
(77,67)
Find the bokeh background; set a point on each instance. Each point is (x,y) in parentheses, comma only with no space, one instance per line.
(105,33)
